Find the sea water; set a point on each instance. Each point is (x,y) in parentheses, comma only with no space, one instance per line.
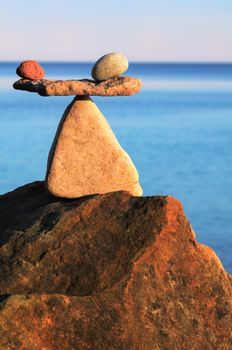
(177,130)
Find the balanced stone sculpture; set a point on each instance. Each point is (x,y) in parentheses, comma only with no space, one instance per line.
(85,157)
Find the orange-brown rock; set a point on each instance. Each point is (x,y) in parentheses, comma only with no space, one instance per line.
(30,70)
(118,86)
(107,272)
(86,157)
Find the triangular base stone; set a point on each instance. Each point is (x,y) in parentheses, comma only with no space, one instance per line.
(86,157)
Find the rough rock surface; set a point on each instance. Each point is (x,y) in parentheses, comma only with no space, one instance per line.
(86,157)
(30,70)
(119,86)
(107,272)
(109,66)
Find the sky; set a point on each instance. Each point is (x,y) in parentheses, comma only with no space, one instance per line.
(144,30)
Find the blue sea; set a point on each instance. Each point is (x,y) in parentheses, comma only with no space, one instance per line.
(177,130)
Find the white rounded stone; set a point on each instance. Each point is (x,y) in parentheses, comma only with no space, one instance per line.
(110,66)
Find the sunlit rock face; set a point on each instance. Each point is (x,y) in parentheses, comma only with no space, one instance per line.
(108,271)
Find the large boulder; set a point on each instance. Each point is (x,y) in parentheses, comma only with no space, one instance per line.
(107,272)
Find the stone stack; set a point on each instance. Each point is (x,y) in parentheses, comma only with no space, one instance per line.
(85,157)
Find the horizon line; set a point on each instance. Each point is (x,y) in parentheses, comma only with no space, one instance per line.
(131,62)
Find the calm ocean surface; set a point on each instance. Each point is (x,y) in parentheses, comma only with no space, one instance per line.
(178,131)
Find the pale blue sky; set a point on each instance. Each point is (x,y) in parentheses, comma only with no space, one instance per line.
(144,30)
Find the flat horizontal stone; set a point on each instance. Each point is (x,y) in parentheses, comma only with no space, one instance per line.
(118,86)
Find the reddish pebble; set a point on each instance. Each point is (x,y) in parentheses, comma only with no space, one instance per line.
(30,70)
